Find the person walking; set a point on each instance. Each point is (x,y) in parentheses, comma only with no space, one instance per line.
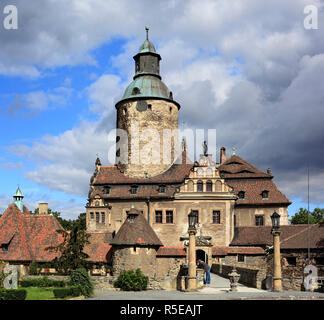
(205,266)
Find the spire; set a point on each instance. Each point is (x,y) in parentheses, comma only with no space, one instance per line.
(18,197)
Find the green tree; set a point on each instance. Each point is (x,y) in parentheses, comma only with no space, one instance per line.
(71,255)
(301,217)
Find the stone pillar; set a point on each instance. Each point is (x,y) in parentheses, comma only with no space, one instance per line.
(192,260)
(277,285)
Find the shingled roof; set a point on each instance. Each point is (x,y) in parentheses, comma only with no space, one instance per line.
(136,231)
(292,236)
(224,251)
(26,236)
(236,167)
(99,248)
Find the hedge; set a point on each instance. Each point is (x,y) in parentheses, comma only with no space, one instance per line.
(61,293)
(42,282)
(13,294)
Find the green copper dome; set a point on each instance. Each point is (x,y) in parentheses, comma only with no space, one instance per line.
(147,86)
(147,80)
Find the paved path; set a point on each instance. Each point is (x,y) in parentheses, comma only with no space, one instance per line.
(217,290)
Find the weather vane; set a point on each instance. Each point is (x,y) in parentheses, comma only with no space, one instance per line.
(147,31)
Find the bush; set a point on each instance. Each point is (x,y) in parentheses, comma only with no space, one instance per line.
(80,277)
(13,294)
(34,270)
(131,281)
(42,282)
(62,293)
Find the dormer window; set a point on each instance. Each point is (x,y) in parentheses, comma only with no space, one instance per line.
(265,195)
(107,189)
(162,189)
(134,189)
(5,247)
(241,195)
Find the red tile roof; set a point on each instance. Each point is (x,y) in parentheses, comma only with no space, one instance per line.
(28,235)
(236,167)
(253,192)
(223,251)
(171,252)
(292,236)
(99,249)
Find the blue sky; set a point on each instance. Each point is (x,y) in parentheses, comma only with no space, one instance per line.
(247,69)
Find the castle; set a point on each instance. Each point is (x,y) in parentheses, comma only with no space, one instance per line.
(226,194)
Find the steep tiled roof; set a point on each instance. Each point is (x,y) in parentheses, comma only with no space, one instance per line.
(99,249)
(136,231)
(28,235)
(223,251)
(171,252)
(236,167)
(292,236)
(112,175)
(253,191)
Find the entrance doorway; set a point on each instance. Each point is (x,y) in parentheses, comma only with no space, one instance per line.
(202,255)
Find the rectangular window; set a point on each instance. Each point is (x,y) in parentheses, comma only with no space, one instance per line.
(162,189)
(103,216)
(200,187)
(158,216)
(97,217)
(240,258)
(216,216)
(91,215)
(259,220)
(169,216)
(197,213)
(209,186)
(134,189)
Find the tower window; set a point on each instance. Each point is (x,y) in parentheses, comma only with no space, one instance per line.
(265,195)
(97,203)
(158,216)
(259,220)
(169,216)
(149,107)
(216,216)
(91,215)
(200,186)
(170,109)
(241,195)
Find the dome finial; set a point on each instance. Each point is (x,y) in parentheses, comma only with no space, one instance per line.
(147,31)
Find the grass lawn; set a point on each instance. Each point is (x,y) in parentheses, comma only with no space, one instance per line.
(35,293)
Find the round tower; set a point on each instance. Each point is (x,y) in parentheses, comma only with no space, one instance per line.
(148,115)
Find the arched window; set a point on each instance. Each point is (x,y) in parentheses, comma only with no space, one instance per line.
(209,186)
(200,186)
(218,186)
(190,186)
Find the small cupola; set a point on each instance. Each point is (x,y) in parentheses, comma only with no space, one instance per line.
(18,199)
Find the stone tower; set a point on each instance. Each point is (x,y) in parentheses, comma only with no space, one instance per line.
(148,116)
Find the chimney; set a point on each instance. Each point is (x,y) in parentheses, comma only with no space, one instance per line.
(268,171)
(43,208)
(222,155)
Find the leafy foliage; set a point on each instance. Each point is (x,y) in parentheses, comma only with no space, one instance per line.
(42,283)
(13,294)
(81,278)
(34,269)
(131,281)
(301,217)
(62,293)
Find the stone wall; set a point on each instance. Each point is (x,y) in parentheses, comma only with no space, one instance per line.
(251,277)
